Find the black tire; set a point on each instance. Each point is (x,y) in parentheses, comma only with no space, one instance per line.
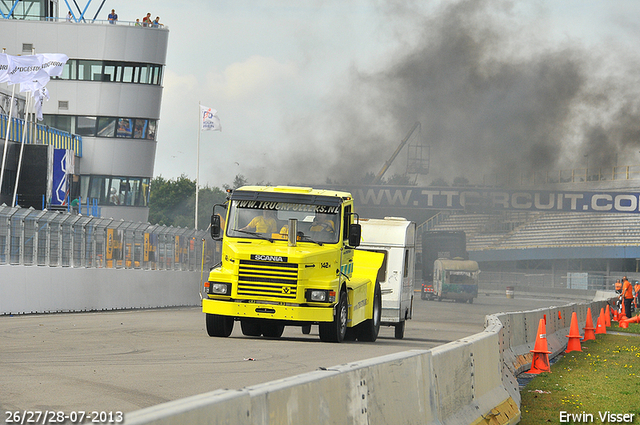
(219,325)
(250,327)
(335,330)
(369,329)
(306,329)
(470,300)
(351,334)
(399,331)
(272,330)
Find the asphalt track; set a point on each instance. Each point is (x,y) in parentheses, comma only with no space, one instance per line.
(127,360)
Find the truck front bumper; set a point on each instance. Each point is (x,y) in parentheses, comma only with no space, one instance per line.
(255,310)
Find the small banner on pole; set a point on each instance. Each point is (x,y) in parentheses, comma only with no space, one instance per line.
(209,119)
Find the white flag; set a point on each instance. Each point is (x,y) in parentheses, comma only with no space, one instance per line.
(39,97)
(209,119)
(4,68)
(39,68)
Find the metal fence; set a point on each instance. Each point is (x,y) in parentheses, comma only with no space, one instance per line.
(597,281)
(65,239)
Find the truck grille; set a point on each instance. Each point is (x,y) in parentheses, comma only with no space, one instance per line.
(268,279)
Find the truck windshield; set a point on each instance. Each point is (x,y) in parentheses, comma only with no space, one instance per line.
(270,220)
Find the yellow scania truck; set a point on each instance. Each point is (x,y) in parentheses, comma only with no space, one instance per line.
(289,259)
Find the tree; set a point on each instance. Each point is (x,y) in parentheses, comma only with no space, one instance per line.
(460,181)
(168,201)
(439,182)
(238,181)
(368,178)
(172,202)
(399,180)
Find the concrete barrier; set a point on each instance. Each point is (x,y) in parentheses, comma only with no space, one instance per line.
(34,289)
(469,381)
(380,388)
(472,380)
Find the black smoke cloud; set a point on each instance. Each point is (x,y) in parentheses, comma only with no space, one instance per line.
(491,100)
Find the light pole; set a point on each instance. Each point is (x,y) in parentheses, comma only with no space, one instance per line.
(586,174)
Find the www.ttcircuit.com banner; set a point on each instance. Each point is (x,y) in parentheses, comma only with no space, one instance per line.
(495,199)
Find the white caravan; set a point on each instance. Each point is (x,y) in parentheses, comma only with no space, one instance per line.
(396,238)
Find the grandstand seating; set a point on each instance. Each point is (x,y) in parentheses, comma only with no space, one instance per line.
(518,230)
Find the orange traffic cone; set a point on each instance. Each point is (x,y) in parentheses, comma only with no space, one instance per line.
(601,328)
(574,335)
(588,327)
(635,319)
(607,317)
(624,324)
(540,360)
(615,314)
(622,316)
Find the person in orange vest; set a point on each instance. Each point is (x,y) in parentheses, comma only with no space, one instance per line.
(627,297)
(618,287)
(637,289)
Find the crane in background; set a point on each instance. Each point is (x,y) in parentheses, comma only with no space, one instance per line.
(388,163)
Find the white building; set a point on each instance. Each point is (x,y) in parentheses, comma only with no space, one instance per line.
(110,94)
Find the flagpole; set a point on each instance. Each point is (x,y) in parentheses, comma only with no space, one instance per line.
(198,164)
(6,138)
(27,104)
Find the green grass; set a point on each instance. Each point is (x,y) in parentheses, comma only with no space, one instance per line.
(604,376)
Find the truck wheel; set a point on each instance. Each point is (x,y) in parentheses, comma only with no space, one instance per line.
(470,300)
(306,329)
(272,330)
(369,329)
(219,325)
(335,331)
(352,334)
(399,333)
(250,328)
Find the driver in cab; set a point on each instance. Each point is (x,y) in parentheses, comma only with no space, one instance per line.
(322,225)
(265,223)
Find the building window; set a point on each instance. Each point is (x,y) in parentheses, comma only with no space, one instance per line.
(25,9)
(115,191)
(111,71)
(86,126)
(125,127)
(106,127)
(137,128)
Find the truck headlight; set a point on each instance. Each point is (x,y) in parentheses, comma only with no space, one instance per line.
(219,288)
(320,296)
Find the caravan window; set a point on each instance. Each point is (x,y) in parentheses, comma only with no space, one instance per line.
(406,263)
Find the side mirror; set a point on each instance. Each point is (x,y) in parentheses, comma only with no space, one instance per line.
(354,235)
(215,226)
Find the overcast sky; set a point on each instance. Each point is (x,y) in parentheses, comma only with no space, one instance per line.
(313,89)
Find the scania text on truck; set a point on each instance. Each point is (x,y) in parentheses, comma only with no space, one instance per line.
(289,259)
(395,238)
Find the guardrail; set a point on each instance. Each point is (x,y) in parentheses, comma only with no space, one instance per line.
(86,20)
(471,381)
